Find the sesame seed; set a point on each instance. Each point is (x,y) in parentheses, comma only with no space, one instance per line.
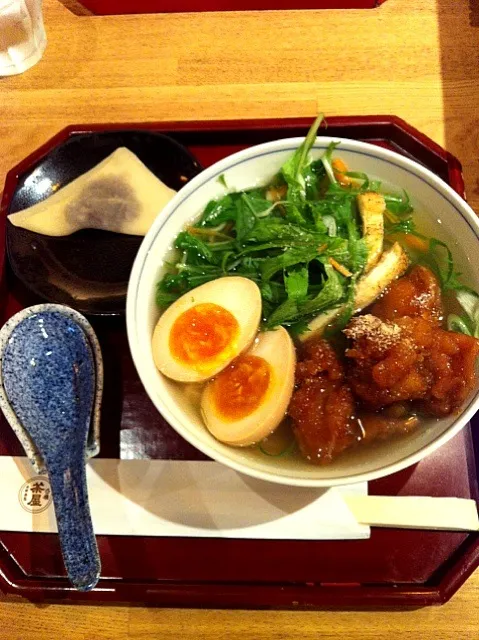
(383,334)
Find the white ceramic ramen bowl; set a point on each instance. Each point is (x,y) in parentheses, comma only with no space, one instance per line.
(441,211)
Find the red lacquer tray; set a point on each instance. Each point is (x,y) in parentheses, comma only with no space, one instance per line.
(394,567)
(116,7)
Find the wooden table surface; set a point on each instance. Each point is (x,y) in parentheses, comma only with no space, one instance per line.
(418,59)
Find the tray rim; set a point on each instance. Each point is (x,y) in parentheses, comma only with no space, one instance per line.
(94,6)
(227,594)
(233,124)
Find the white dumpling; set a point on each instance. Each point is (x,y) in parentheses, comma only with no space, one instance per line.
(120,194)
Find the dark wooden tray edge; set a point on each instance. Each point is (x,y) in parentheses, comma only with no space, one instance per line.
(228,596)
(123,7)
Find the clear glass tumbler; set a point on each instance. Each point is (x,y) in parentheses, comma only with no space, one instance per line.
(22,35)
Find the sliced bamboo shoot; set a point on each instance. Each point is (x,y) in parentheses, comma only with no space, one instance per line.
(371,209)
(392,265)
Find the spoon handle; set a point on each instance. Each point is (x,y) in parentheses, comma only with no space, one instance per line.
(75,529)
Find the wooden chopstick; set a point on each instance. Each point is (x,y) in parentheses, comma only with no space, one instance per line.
(415,512)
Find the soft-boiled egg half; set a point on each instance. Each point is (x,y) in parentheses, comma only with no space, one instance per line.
(248,399)
(207,328)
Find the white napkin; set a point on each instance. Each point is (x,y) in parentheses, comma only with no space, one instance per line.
(178,498)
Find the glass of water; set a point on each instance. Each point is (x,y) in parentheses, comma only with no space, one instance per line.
(22,35)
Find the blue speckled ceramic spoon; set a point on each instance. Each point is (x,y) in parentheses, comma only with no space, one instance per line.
(49,378)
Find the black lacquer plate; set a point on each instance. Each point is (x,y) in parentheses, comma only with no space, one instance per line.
(89,269)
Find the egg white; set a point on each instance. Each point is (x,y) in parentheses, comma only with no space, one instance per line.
(240,296)
(277,348)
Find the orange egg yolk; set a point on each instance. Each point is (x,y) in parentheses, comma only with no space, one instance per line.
(240,388)
(203,333)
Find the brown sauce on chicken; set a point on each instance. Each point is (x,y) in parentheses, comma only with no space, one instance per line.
(399,363)
(416,294)
(322,406)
